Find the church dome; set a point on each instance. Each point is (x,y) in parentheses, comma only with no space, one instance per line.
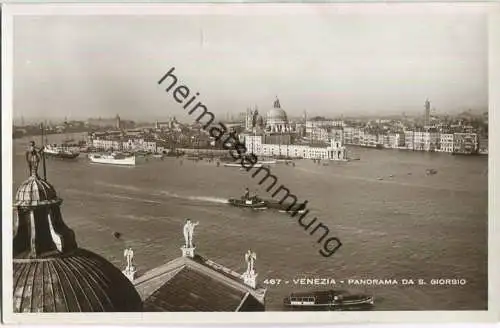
(50,272)
(77,282)
(36,192)
(277,115)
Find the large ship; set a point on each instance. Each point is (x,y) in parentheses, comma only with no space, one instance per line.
(113,159)
(60,152)
(327,300)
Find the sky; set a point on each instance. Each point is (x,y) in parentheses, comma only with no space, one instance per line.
(328,63)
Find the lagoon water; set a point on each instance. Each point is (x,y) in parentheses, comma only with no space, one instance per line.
(409,226)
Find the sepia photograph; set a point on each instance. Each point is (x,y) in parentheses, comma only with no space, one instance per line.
(277,159)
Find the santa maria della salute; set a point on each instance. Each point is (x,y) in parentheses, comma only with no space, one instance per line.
(275,136)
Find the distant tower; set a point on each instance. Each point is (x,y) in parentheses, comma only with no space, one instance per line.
(118,122)
(427,113)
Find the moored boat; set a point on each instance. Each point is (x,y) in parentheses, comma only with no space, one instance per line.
(60,152)
(113,159)
(327,300)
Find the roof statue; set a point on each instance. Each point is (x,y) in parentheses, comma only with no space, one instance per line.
(277,103)
(33,157)
(250,258)
(189,232)
(128,253)
(50,272)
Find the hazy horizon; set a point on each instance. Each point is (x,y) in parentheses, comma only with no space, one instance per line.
(327,64)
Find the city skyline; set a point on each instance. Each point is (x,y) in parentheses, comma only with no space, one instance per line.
(346,64)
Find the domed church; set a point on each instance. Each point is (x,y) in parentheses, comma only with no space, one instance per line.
(276,120)
(50,272)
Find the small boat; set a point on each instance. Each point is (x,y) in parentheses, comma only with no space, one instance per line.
(327,300)
(60,152)
(160,156)
(430,171)
(113,158)
(254,203)
(380,178)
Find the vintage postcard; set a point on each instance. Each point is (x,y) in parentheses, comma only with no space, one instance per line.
(308,163)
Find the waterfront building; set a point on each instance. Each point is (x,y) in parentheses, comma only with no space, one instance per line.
(483,145)
(431,140)
(334,151)
(142,144)
(321,122)
(465,143)
(369,140)
(107,143)
(51,273)
(105,122)
(396,140)
(446,142)
(419,140)
(409,138)
(348,135)
(319,134)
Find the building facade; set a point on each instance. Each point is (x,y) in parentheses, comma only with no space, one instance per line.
(335,150)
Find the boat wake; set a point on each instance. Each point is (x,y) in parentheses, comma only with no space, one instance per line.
(196,198)
(209,199)
(169,194)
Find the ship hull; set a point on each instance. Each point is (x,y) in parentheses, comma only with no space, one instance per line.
(259,205)
(61,154)
(327,300)
(127,161)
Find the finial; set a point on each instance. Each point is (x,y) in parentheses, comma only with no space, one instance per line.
(33,159)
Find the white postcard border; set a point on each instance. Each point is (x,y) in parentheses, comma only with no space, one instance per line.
(11,10)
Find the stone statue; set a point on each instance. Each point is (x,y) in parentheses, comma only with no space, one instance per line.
(188,233)
(129,255)
(250,258)
(33,157)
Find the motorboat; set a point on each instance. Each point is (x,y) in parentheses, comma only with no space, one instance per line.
(327,300)
(250,202)
(113,158)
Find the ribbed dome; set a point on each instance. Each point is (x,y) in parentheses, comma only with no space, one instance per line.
(277,115)
(78,282)
(35,192)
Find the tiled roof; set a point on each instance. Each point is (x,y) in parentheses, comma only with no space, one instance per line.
(190,290)
(197,284)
